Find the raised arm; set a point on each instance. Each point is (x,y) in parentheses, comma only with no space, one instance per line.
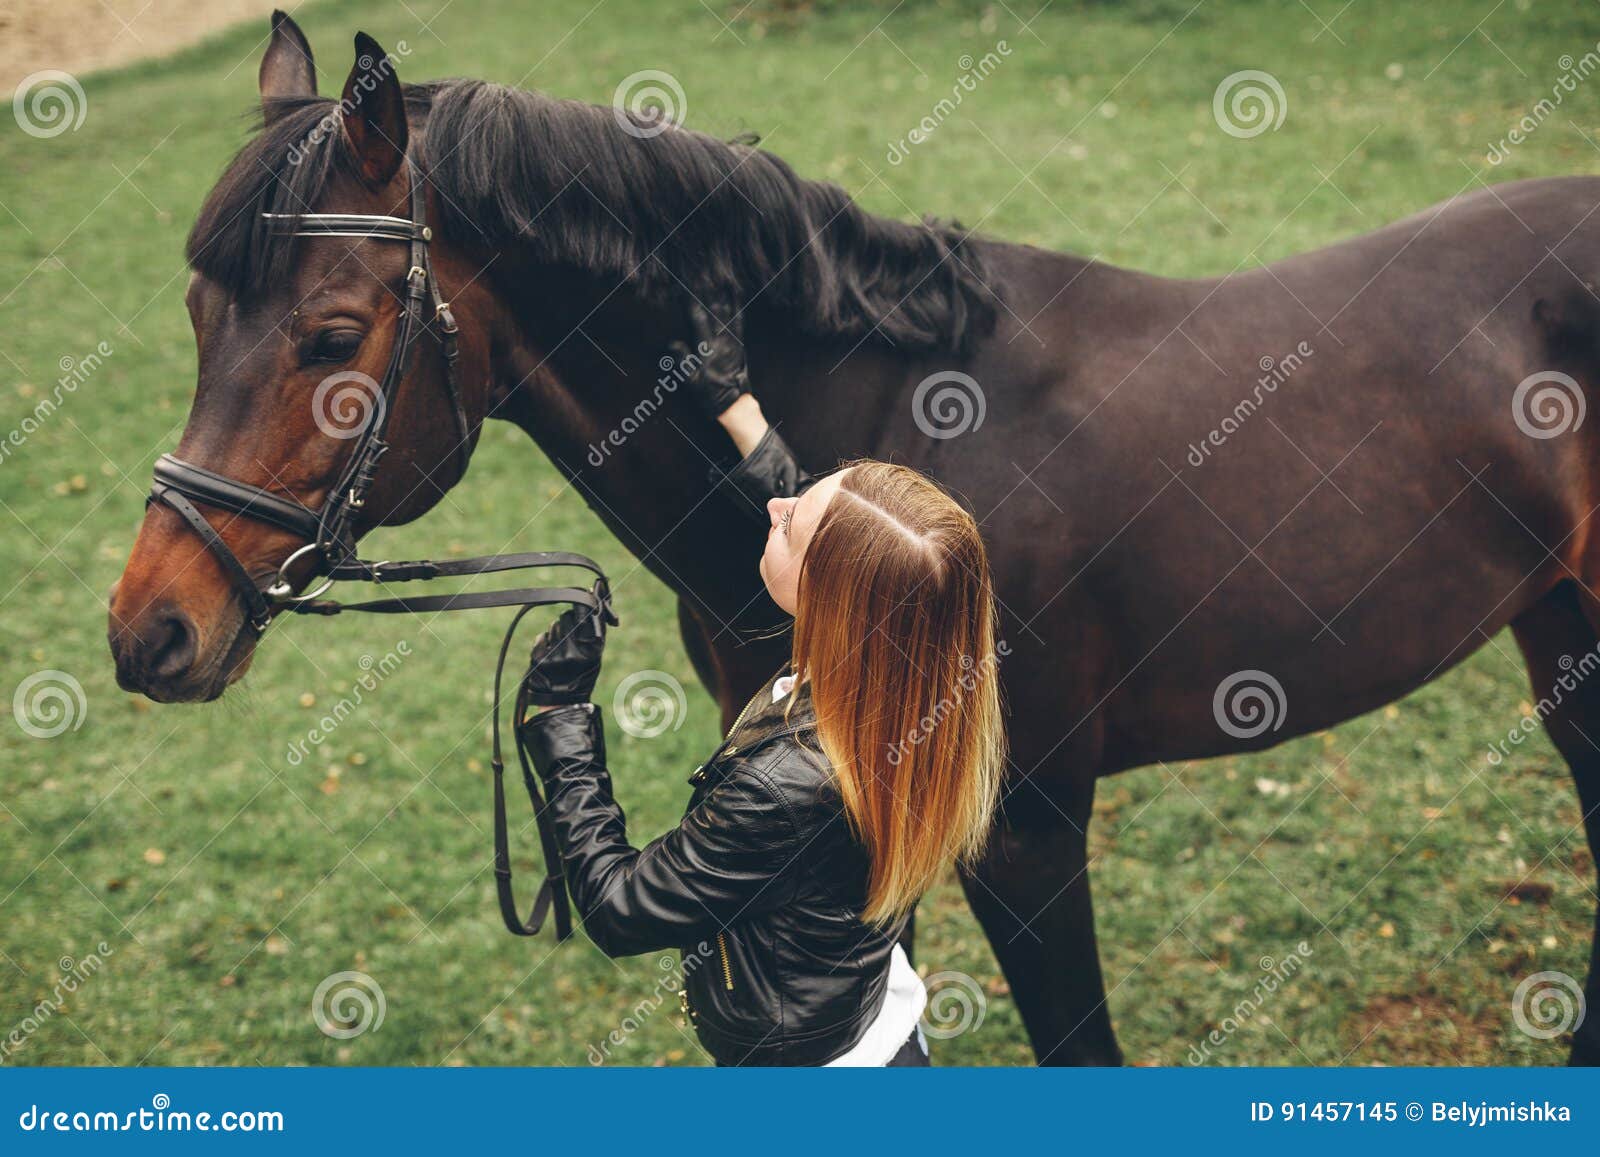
(720,387)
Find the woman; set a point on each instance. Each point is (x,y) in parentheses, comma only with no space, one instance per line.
(849,782)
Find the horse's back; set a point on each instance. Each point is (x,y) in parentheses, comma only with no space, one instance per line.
(1314,468)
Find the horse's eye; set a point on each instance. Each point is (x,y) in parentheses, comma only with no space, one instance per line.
(333,345)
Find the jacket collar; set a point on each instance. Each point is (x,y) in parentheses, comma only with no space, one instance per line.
(763,719)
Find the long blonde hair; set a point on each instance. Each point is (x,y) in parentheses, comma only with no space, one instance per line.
(895,628)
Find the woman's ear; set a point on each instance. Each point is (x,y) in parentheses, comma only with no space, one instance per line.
(374,113)
(287,70)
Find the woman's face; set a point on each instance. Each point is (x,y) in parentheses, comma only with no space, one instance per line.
(794,522)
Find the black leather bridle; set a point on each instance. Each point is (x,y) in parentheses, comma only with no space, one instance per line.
(331,536)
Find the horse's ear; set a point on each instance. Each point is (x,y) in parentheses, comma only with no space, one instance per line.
(287,71)
(374,113)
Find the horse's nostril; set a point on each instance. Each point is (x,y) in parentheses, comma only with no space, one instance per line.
(173,648)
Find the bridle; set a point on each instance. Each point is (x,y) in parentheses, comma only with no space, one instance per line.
(330,531)
(331,536)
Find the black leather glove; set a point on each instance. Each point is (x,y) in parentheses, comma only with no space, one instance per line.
(722,374)
(565,661)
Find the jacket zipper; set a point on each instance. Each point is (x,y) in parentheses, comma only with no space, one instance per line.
(753,699)
(727,968)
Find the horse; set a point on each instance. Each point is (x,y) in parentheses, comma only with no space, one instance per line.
(1221,512)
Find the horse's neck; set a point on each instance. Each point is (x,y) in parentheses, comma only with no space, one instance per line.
(583,376)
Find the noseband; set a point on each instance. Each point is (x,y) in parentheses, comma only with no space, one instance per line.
(331,536)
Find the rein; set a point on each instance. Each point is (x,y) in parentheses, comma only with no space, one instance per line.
(330,534)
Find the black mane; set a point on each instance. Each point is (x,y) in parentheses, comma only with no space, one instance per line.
(562,183)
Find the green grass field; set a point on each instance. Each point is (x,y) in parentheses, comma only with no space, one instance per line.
(227,879)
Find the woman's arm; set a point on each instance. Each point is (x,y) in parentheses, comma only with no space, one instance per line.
(720,387)
(726,861)
(729,859)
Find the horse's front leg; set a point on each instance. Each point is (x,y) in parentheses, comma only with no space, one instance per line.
(1031,894)
(731,670)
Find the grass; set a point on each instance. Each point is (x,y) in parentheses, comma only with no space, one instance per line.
(227,880)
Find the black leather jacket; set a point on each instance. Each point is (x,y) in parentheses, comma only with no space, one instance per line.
(762,884)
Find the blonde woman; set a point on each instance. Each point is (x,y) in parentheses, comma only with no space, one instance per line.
(855,777)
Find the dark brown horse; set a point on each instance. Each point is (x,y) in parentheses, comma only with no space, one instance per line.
(1176,523)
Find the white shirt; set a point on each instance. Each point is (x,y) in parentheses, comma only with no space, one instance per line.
(904,997)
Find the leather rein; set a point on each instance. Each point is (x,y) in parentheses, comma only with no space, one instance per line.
(331,537)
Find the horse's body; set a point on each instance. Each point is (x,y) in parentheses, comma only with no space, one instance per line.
(1375,517)
(1134,582)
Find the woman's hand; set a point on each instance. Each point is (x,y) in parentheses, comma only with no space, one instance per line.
(721,378)
(565,661)
(720,384)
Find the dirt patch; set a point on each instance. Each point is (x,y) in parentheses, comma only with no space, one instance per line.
(79,36)
(1425,1026)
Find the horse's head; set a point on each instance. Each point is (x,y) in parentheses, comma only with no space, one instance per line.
(294,335)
